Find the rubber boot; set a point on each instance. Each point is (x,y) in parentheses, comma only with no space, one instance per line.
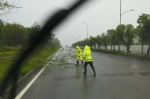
(77,63)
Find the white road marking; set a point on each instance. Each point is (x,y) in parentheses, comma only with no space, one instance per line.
(28,86)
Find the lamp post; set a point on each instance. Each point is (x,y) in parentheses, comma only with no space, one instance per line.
(87,28)
(123,12)
(120,21)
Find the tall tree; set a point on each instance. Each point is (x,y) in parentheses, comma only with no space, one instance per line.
(32,31)
(144,24)
(92,42)
(104,40)
(138,31)
(112,37)
(129,35)
(56,42)
(99,41)
(120,31)
(111,33)
(1,26)
(14,34)
(81,43)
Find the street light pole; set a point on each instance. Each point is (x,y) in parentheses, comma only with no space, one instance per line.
(127,11)
(87,28)
(120,12)
(123,12)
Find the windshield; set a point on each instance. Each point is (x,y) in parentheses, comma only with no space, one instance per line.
(71,49)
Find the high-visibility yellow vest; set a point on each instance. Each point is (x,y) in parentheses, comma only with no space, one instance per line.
(87,54)
(78,53)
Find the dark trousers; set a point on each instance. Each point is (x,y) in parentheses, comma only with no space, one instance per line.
(91,64)
(78,62)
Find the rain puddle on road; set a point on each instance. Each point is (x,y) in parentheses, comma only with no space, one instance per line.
(64,58)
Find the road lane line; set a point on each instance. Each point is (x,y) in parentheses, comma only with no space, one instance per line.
(28,86)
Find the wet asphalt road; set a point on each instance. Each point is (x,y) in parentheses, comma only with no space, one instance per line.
(117,78)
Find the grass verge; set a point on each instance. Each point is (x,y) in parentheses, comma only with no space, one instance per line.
(139,56)
(37,58)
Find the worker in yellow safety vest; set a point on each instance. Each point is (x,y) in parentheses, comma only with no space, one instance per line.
(88,60)
(79,55)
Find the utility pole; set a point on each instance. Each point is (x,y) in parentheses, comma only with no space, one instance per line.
(120,12)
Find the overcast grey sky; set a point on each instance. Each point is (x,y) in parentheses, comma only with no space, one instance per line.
(100,15)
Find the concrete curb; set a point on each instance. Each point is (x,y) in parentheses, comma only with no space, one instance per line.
(49,58)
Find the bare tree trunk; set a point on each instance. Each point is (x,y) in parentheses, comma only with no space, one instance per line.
(118,46)
(148,50)
(114,47)
(98,46)
(128,47)
(142,47)
(105,46)
(111,46)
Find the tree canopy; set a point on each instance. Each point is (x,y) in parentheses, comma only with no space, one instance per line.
(122,35)
(6,7)
(14,34)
